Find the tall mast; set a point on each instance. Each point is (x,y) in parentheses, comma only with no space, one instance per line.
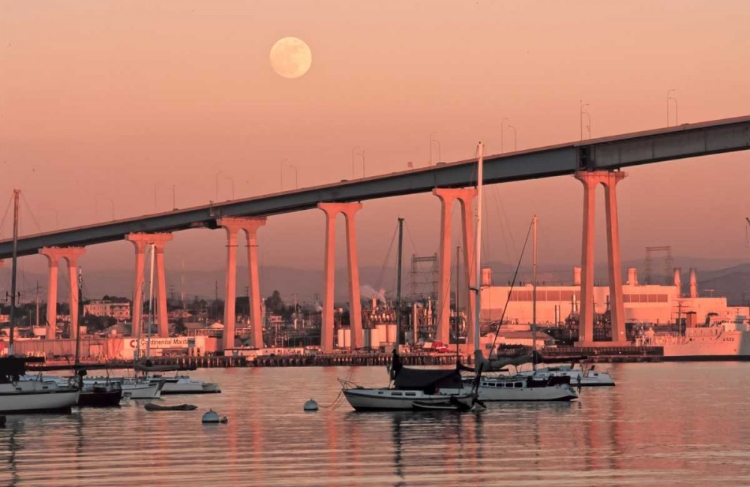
(398,284)
(533,306)
(458,293)
(480,177)
(150,304)
(16,194)
(80,315)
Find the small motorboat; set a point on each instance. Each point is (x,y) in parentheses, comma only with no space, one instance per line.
(180,407)
(212,417)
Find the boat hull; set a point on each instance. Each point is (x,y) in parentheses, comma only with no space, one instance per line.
(36,401)
(171,388)
(391,400)
(104,399)
(561,392)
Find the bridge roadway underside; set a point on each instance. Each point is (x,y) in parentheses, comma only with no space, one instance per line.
(610,153)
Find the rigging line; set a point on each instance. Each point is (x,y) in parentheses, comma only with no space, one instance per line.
(31,213)
(512,285)
(411,238)
(7,209)
(507,223)
(503,224)
(385,262)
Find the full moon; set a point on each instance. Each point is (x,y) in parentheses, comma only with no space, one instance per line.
(290,57)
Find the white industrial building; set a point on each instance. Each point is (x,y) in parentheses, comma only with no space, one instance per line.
(643,303)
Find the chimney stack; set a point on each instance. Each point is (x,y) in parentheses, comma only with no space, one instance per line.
(632,276)
(693,283)
(486,277)
(678,281)
(576,276)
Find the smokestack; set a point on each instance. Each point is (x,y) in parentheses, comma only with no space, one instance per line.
(632,276)
(678,281)
(576,276)
(693,283)
(486,276)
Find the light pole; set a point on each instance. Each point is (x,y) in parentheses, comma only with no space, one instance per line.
(431,142)
(515,137)
(231,180)
(583,105)
(174,198)
(676,114)
(296,173)
(281,173)
(354,153)
(590,126)
(435,141)
(502,134)
(217,185)
(113,209)
(364,172)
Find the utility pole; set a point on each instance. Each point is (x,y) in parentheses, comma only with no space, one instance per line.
(37,303)
(16,195)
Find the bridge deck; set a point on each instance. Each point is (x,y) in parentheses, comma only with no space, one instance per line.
(689,140)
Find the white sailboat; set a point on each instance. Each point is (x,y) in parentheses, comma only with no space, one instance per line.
(19,396)
(514,388)
(411,388)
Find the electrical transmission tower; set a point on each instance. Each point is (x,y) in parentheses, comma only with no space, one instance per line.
(668,264)
(423,276)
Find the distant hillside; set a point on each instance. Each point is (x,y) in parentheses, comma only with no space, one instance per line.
(732,281)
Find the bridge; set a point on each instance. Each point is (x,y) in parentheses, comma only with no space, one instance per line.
(596,161)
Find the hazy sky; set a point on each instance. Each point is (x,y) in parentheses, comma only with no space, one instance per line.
(107,103)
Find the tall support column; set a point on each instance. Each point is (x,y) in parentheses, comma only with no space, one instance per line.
(233,226)
(251,227)
(140,255)
(53,257)
(230,288)
(71,254)
(52,300)
(446,196)
(586,315)
(161,280)
(355,308)
(466,196)
(355,304)
(326,329)
(617,307)
(159,241)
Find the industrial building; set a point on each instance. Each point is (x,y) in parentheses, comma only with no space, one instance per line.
(653,304)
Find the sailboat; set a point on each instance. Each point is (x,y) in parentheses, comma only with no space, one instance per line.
(411,389)
(510,388)
(19,396)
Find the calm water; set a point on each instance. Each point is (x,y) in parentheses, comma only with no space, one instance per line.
(664,424)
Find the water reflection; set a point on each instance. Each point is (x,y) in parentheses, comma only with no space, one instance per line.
(662,424)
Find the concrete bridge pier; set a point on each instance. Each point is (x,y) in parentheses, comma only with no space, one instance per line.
(465,196)
(590,181)
(159,241)
(54,255)
(355,311)
(234,225)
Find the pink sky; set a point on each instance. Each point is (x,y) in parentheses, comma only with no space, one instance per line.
(107,102)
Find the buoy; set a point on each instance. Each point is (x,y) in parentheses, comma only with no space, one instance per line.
(311,406)
(212,417)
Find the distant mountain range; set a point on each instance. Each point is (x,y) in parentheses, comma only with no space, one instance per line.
(714,277)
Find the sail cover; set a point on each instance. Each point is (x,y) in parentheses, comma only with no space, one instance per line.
(427,380)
